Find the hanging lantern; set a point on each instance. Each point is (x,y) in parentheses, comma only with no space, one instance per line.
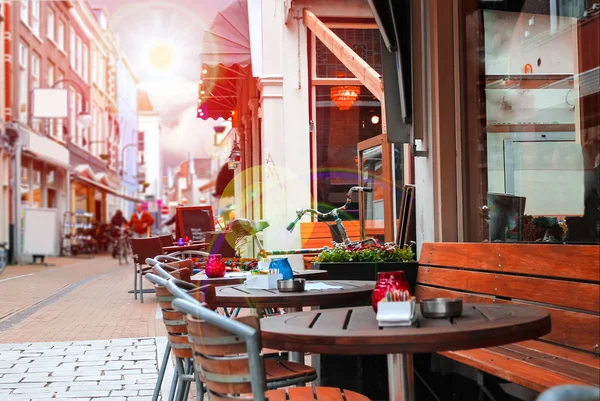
(235,157)
(344,96)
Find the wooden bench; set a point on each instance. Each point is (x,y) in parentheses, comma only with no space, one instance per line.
(317,235)
(563,279)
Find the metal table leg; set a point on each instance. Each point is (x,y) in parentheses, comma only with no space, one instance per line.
(401,381)
(295,356)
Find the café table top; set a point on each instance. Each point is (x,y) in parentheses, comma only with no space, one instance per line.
(351,293)
(355,331)
(200,246)
(232,278)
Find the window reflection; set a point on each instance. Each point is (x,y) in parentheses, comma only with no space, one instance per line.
(531,98)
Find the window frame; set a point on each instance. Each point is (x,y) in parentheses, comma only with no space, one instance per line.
(60,34)
(36,18)
(24,12)
(315,81)
(51,25)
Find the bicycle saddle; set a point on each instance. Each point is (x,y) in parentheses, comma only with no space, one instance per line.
(250,227)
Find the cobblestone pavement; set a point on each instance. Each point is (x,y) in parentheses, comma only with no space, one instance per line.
(73,332)
(111,370)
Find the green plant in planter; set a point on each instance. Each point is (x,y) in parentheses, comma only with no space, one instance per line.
(388,252)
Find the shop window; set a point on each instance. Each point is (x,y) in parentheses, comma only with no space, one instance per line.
(531,130)
(339,130)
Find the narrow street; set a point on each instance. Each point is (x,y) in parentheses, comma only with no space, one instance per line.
(78,299)
(73,332)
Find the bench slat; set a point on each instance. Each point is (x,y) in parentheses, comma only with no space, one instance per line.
(513,370)
(562,353)
(575,262)
(547,362)
(573,329)
(549,291)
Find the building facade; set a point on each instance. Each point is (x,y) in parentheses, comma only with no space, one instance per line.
(67,164)
(150,154)
(5,143)
(128,169)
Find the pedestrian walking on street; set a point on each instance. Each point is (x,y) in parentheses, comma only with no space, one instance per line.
(140,221)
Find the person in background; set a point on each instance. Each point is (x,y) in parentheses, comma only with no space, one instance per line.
(140,221)
(118,220)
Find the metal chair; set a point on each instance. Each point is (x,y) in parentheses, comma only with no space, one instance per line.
(188,254)
(166,240)
(143,248)
(228,355)
(177,337)
(570,393)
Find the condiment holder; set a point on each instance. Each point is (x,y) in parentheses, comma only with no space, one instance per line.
(263,280)
(397,308)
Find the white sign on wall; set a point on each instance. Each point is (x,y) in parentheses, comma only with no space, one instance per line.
(50,103)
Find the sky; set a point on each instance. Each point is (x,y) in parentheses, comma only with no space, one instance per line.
(162,39)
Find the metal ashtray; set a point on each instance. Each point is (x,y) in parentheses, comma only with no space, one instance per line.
(441,308)
(293,285)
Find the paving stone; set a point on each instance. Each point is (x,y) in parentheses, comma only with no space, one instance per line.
(98,378)
(124,393)
(84,393)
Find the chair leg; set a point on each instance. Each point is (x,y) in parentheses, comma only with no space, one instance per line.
(180,367)
(135,280)
(174,386)
(161,372)
(199,384)
(141,285)
(187,384)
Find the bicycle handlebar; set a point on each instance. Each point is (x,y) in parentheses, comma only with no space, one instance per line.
(332,212)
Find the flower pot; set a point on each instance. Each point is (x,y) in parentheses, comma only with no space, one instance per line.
(368,271)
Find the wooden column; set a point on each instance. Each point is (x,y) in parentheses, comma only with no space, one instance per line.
(357,66)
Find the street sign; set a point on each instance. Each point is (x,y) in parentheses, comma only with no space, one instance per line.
(50,103)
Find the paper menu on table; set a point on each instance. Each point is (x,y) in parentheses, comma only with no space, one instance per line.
(312,286)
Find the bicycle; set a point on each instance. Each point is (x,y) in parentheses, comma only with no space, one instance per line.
(120,244)
(3,256)
(243,228)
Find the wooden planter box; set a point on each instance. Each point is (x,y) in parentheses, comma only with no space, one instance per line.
(364,374)
(367,271)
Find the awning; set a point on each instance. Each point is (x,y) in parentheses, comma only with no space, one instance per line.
(394,22)
(225,60)
(227,41)
(104,188)
(208,185)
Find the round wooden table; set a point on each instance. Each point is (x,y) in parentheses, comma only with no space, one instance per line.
(240,277)
(354,331)
(351,293)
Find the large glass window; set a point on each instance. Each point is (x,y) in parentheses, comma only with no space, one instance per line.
(35,17)
(60,35)
(50,32)
(345,116)
(531,98)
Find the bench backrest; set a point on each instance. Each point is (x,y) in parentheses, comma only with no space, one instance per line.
(563,279)
(317,234)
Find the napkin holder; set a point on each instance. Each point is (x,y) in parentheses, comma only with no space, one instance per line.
(391,314)
(263,281)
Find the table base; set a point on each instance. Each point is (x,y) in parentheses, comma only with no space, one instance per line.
(401,379)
